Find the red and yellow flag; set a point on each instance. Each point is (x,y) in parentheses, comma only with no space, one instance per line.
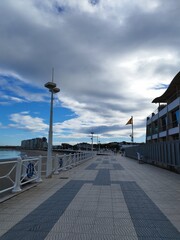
(130,121)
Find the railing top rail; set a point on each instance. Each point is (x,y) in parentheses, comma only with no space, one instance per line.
(30,159)
(9,161)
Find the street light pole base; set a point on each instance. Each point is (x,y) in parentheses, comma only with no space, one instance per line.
(49,176)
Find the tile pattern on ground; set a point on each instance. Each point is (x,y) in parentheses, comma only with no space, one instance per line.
(101,201)
(40,221)
(147,218)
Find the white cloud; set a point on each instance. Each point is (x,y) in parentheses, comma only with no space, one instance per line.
(24,121)
(108,57)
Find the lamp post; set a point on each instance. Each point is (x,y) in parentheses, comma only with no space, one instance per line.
(53,90)
(92,141)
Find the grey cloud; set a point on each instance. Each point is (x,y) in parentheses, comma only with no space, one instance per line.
(100,129)
(81,46)
(167,68)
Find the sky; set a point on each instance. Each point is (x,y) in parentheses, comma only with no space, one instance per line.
(110,58)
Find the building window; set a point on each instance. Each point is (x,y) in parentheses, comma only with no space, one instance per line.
(175,118)
(149,130)
(163,123)
(155,127)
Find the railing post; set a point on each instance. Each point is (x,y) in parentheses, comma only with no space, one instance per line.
(72,158)
(39,169)
(17,183)
(56,164)
(75,159)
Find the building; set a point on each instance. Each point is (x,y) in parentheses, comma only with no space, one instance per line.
(84,146)
(164,123)
(35,143)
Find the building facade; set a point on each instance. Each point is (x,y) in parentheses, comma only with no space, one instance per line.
(164,123)
(35,143)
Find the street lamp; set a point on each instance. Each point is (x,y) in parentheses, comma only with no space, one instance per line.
(53,90)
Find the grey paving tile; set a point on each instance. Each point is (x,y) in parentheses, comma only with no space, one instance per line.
(124,231)
(151,238)
(117,166)
(104,214)
(120,215)
(63,228)
(168,233)
(102,178)
(105,162)
(79,236)
(82,228)
(103,229)
(130,237)
(24,235)
(102,237)
(87,213)
(67,220)
(92,166)
(71,213)
(85,220)
(57,236)
(147,232)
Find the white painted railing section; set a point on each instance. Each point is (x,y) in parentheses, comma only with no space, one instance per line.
(22,171)
(65,162)
(26,170)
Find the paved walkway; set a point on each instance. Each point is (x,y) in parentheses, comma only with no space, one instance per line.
(108,197)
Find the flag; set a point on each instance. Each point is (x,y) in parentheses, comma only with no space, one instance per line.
(130,121)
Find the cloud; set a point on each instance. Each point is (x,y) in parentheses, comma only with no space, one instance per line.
(12,99)
(26,122)
(13,89)
(161,86)
(109,57)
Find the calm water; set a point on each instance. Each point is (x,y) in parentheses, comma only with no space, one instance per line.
(9,154)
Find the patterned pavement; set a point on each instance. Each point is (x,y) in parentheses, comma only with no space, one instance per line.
(108,197)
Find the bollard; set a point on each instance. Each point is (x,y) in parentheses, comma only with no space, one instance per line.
(140,157)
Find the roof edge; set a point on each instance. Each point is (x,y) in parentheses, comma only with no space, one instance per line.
(174,83)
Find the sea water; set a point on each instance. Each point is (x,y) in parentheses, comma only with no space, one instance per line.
(9,154)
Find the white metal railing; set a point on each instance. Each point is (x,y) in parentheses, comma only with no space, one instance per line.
(16,173)
(20,172)
(65,162)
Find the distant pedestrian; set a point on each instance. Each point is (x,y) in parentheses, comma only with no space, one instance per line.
(122,151)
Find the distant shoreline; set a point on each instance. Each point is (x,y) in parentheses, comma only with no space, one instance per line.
(10,147)
(36,152)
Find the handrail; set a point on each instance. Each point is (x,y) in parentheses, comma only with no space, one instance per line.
(65,162)
(29,169)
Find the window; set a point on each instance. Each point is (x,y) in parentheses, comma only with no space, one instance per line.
(155,127)
(163,123)
(175,118)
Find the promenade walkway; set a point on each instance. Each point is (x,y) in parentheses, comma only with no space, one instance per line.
(108,197)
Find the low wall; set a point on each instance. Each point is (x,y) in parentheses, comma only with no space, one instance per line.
(165,154)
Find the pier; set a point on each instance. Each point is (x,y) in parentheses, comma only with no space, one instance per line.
(106,197)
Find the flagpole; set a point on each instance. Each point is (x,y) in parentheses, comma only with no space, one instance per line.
(132,136)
